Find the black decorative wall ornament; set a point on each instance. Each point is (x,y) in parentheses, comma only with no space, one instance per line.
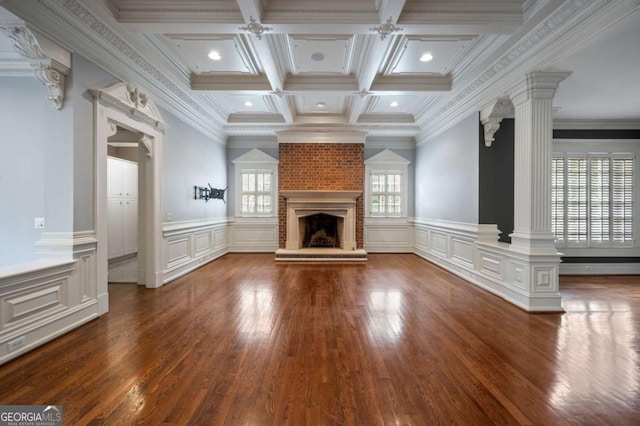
(206,194)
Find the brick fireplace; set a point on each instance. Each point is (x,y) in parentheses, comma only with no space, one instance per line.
(326,168)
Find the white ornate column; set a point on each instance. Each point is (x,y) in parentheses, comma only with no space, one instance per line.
(533,100)
(533,259)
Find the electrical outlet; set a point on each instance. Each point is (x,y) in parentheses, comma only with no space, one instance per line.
(16,344)
(169,217)
(38,222)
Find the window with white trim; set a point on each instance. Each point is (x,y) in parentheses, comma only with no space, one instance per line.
(255,184)
(386,185)
(386,193)
(256,191)
(592,199)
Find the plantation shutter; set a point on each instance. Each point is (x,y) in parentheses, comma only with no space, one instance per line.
(577,201)
(599,206)
(622,197)
(557,198)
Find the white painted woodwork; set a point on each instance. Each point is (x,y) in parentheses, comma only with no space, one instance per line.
(188,245)
(532,98)
(253,235)
(44,299)
(473,252)
(125,105)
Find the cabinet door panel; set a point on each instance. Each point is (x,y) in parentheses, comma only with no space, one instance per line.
(130,226)
(116,224)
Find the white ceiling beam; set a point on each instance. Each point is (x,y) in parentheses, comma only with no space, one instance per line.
(470,28)
(250,9)
(401,84)
(226,83)
(390,9)
(274,75)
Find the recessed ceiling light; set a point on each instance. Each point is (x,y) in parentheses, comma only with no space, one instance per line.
(214,55)
(426,57)
(317,56)
(320,104)
(393,104)
(248,103)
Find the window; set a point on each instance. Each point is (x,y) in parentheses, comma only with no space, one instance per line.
(386,193)
(255,184)
(256,191)
(386,185)
(592,200)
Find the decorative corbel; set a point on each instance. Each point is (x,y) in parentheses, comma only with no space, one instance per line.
(492,115)
(145,143)
(50,69)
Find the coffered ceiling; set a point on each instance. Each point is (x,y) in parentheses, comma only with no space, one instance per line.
(393,68)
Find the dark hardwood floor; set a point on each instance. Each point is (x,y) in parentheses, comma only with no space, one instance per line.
(246,341)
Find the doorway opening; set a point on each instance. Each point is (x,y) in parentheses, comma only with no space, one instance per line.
(123,187)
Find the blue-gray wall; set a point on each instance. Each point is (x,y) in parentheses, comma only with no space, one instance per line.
(446,174)
(191,158)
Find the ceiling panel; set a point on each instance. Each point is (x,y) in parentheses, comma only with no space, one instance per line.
(444,51)
(247,104)
(235,57)
(320,55)
(393,104)
(320,103)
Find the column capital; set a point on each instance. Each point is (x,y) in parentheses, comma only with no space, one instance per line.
(538,85)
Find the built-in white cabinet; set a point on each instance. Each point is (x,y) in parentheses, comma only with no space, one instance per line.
(122,189)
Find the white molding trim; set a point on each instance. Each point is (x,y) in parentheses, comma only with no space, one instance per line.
(257,235)
(572,24)
(321,135)
(388,235)
(124,105)
(472,251)
(600,269)
(190,244)
(44,299)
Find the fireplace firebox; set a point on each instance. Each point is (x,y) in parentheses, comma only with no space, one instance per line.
(319,230)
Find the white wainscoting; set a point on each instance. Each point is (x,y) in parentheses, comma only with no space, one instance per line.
(473,252)
(190,244)
(388,235)
(254,234)
(46,298)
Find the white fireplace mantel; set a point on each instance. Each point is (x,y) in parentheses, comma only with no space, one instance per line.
(335,203)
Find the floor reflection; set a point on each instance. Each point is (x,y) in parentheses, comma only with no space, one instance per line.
(597,355)
(256,312)
(385,315)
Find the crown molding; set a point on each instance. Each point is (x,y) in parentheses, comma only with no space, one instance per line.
(321,135)
(540,46)
(88,29)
